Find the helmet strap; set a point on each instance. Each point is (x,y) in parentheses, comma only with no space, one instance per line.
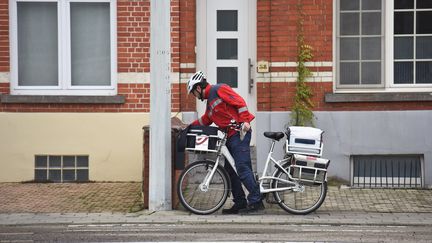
(202,94)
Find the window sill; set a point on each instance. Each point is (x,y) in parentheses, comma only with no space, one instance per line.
(61,99)
(377,97)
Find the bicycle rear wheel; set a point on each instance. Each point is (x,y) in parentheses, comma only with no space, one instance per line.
(303,201)
(196,199)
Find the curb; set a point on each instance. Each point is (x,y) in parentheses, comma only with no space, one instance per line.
(176,217)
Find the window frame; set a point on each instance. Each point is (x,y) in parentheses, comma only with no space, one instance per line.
(414,59)
(388,57)
(360,36)
(64,86)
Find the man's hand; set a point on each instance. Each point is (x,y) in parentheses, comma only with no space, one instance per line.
(246,126)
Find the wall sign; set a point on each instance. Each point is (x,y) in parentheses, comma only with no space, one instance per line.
(263,67)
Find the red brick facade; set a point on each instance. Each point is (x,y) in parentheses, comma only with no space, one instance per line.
(133,56)
(133,36)
(276,36)
(277,29)
(277,96)
(134,50)
(4,37)
(187,49)
(276,42)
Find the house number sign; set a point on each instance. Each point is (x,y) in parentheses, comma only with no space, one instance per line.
(263,67)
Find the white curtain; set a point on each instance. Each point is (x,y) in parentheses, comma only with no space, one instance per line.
(37,44)
(90,44)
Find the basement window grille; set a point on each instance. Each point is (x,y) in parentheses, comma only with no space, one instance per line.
(61,168)
(387,171)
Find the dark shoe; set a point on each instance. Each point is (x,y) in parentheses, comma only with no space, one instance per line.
(256,208)
(234,209)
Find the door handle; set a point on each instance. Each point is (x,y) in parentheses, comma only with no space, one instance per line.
(250,79)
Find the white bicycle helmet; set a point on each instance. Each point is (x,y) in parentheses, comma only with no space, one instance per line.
(197,78)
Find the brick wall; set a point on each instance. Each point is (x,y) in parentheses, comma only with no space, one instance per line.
(4,88)
(146,169)
(187,49)
(277,30)
(276,35)
(133,56)
(187,33)
(281,99)
(4,37)
(133,36)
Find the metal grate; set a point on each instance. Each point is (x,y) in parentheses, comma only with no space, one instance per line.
(387,171)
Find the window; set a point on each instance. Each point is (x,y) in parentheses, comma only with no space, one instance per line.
(387,171)
(360,43)
(61,168)
(413,42)
(227,47)
(384,45)
(63,47)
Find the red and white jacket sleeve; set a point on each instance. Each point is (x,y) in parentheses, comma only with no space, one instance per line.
(229,96)
(204,120)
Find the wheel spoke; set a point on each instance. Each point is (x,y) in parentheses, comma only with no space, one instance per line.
(303,200)
(196,200)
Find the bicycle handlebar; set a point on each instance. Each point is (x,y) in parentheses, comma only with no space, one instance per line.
(235,126)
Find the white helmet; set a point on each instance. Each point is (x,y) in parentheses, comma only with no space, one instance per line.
(198,77)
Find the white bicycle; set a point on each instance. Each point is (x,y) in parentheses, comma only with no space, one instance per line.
(298,183)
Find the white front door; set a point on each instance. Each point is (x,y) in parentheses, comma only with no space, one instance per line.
(227,44)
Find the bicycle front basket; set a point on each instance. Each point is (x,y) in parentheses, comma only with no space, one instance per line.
(202,139)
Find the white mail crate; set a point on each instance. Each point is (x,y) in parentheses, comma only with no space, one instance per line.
(309,168)
(202,139)
(304,140)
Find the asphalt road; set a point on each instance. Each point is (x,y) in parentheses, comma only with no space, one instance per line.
(213,232)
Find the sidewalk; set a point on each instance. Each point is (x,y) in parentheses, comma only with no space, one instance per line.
(69,197)
(30,203)
(181,217)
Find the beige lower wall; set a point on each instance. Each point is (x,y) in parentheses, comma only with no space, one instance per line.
(113,141)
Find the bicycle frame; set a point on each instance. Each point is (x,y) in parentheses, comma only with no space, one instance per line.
(223,151)
(278,164)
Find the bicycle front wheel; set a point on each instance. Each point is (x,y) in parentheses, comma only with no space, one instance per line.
(306,199)
(192,193)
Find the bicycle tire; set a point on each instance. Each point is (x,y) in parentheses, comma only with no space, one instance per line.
(203,202)
(300,203)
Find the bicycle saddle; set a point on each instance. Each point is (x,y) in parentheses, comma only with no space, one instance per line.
(274,135)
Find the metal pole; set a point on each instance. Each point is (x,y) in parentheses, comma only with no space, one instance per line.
(160,106)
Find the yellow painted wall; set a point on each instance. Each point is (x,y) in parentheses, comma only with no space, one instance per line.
(113,141)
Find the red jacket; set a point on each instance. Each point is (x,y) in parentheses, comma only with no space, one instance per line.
(223,105)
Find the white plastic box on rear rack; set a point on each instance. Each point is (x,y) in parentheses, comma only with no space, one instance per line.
(309,168)
(202,139)
(304,140)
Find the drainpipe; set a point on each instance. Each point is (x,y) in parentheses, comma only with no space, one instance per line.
(160,106)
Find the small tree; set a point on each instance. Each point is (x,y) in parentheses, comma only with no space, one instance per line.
(301,112)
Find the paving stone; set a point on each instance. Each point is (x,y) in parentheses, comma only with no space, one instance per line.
(68,197)
(126,197)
